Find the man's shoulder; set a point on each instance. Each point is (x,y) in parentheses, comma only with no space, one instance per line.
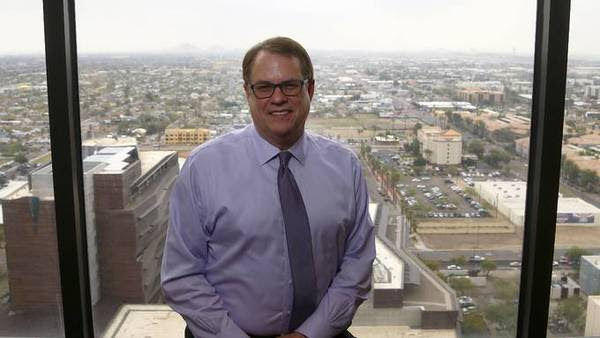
(221,145)
(329,147)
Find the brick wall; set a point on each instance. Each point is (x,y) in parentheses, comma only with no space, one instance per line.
(31,254)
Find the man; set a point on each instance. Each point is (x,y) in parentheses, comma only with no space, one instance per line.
(270,233)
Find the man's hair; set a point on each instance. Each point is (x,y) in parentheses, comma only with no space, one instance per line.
(279,45)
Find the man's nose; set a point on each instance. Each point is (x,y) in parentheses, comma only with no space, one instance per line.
(278,95)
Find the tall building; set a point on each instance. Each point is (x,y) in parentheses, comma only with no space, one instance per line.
(126,200)
(589,275)
(186,136)
(440,147)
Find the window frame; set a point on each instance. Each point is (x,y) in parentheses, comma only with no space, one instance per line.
(550,64)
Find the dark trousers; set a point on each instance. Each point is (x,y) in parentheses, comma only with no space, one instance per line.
(345,334)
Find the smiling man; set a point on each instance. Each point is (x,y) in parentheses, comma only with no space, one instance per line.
(270,234)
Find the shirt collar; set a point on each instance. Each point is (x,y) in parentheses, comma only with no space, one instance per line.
(265,151)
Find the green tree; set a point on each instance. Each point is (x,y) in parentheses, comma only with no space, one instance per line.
(476,147)
(474,325)
(458,260)
(416,127)
(506,290)
(504,315)
(479,128)
(432,265)
(488,266)
(419,162)
(20,158)
(571,310)
(504,135)
(495,157)
(461,284)
(574,254)
(589,180)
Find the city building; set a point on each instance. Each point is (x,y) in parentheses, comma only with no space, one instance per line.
(440,147)
(186,135)
(563,286)
(388,277)
(126,201)
(479,96)
(592,317)
(509,198)
(592,92)
(589,274)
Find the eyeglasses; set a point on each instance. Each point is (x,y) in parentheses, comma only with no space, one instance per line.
(264,90)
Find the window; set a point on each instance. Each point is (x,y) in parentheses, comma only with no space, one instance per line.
(119,84)
(28,223)
(575,276)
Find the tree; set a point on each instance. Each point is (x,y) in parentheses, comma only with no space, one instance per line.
(461,284)
(477,147)
(488,266)
(416,127)
(506,290)
(473,324)
(479,128)
(419,162)
(432,265)
(504,315)
(504,135)
(574,254)
(20,158)
(495,156)
(589,180)
(571,310)
(458,260)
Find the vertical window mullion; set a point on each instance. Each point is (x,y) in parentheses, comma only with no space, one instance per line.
(65,137)
(550,68)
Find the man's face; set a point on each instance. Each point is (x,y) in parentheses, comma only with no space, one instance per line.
(279,118)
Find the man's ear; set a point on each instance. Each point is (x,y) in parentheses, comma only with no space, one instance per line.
(310,86)
(247,90)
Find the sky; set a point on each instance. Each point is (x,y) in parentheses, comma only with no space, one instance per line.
(125,26)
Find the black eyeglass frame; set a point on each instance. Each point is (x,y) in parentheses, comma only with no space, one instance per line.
(280,85)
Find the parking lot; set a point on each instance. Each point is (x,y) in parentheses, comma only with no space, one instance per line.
(443,197)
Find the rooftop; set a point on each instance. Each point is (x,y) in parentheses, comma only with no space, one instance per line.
(388,268)
(594,260)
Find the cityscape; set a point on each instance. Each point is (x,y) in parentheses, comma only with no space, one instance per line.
(444,143)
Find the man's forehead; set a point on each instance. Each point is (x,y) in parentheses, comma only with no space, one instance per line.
(267,63)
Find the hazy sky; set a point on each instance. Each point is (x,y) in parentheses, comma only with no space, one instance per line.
(504,26)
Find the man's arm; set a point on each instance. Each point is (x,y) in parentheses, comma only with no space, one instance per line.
(353,281)
(183,279)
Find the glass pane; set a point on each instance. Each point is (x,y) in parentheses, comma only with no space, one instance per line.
(574,300)
(30,294)
(436,106)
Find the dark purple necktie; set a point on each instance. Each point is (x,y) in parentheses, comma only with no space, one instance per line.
(299,244)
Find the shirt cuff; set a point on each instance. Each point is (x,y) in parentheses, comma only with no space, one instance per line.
(317,328)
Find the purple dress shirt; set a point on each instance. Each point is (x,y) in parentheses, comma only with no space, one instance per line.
(225,265)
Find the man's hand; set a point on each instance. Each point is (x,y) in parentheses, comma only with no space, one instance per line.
(293,335)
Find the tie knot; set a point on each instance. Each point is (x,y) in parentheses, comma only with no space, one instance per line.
(284,158)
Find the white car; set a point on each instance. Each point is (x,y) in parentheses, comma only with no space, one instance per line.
(514,264)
